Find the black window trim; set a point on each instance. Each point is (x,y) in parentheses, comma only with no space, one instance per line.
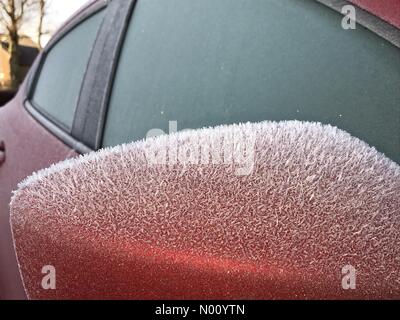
(96,89)
(49,122)
(55,129)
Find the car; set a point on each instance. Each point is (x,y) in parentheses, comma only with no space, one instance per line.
(118,70)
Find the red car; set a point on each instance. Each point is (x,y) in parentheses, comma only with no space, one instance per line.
(119,69)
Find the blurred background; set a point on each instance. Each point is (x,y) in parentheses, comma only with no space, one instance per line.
(26,26)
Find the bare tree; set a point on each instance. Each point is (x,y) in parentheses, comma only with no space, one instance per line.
(12,15)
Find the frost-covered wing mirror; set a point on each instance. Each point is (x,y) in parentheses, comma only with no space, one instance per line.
(268,210)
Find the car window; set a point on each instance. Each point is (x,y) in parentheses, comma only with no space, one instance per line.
(206,63)
(58,86)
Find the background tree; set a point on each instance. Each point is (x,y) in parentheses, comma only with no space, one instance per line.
(13,15)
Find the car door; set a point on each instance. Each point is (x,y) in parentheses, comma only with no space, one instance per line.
(36,127)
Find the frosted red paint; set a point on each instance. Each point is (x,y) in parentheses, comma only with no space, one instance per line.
(388,10)
(116,226)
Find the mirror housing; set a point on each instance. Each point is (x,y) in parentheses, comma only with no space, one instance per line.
(287,210)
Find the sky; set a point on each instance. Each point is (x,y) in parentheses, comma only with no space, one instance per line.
(58,12)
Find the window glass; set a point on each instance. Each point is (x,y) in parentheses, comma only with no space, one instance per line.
(58,86)
(206,63)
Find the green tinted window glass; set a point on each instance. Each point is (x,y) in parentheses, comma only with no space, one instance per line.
(212,62)
(58,86)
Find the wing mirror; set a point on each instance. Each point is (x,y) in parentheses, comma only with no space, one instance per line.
(254,211)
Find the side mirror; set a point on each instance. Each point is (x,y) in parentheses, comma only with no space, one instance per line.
(253,211)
